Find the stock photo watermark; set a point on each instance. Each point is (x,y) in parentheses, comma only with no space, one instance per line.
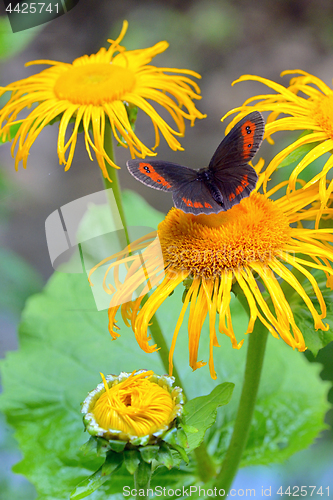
(198,491)
(25,14)
(87,234)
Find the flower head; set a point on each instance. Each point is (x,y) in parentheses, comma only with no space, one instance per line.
(308,102)
(253,242)
(138,408)
(96,90)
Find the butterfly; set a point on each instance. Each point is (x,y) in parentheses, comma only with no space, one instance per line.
(216,188)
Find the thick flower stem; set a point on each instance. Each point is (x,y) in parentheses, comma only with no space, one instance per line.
(254,363)
(112,172)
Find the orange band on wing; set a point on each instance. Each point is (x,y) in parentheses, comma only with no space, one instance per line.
(149,171)
(248,129)
(239,189)
(188,203)
(195,204)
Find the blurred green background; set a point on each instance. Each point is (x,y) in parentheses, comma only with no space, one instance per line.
(219,39)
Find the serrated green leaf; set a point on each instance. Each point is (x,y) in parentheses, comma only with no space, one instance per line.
(10,488)
(202,412)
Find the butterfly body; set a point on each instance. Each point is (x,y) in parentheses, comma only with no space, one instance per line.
(224,183)
(207,177)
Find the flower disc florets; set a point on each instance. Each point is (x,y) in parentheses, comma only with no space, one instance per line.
(207,245)
(137,408)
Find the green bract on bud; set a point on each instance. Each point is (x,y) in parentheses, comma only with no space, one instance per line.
(135,419)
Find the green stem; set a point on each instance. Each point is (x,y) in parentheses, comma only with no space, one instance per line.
(112,172)
(206,469)
(254,363)
(158,338)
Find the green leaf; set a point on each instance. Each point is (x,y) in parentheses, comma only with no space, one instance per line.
(10,488)
(202,412)
(13,131)
(171,436)
(112,462)
(288,415)
(139,212)
(64,344)
(181,452)
(314,339)
(182,438)
(297,154)
(87,486)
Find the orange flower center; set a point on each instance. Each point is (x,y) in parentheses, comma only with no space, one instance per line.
(94,83)
(206,245)
(323,113)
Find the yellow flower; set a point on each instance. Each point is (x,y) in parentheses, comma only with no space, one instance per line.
(255,241)
(308,102)
(95,90)
(131,406)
